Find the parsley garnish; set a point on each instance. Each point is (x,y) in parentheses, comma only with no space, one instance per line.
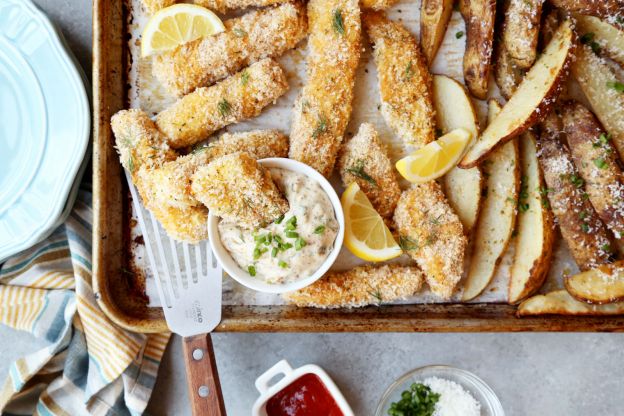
(585,227)
(337,23)
(606,247)
(459,34)
(239,32)
(588,39)
(616,85)
(600,163)
(224,107)
(358,170)
(252,270)
(419,400)
(577,181)
(543,191)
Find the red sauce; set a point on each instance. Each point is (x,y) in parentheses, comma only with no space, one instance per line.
(306,396)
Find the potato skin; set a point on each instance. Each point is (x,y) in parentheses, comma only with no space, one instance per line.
(604,9)
(521,31)
(585,234)
(479,46)
(599,286)
(434,18)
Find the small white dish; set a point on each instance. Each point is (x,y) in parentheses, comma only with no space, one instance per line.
(490,405)
(242,276)
(284,368)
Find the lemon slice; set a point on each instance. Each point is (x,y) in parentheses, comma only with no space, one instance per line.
(366,234)
(436,158)
(178,24)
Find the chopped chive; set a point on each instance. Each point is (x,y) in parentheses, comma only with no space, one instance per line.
(252,270)
(292,234)
(278,239)
(280,219)
(577,181)
(268,240)
(616,85)
(585,227)
(282,264)
(319,230)
(583,214)
(299,244)
(274,252)
(600,163)
(338,23)
(459,35)
(259,252)
(286,246)
(260,238)
(523,207)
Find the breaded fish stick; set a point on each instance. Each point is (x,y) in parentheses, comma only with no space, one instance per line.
(596,160)
(153,6)
(170,184)
(236,188)
(259,34)
(224,6)
(404,80)
(377,4)
(581,228)
(364,159)
(139,142)
(323,108)
(431,233)
(196,116)
(360,286)
(142,149)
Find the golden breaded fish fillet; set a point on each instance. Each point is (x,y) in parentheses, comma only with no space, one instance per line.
(596,159)
(142,149)
(236,188)
(224,6)
(431,233)
(360,286)
(197,115)
(364,159)
(323,108)
(377,4)
(170,184)
(152,6)
(405,83)
(138,141)
(266,33)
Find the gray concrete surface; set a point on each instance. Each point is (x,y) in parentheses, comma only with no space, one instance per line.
(533,374)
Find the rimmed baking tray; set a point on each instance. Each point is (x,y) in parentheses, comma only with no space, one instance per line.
(121,289)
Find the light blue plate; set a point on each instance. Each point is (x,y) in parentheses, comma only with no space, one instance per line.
(44,127)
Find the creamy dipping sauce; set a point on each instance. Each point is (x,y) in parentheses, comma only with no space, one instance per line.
(294,246)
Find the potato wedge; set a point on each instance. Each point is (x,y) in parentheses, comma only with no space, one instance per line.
(596,161)
(434,18)
(607,38)
(561,302)
(610,10)
(586,236)
(506,74)
(464,9)
(462,187)
(535,234)
(595,78)
(498,214)
(521,31)
(532,100)
(599,286)
(479,42)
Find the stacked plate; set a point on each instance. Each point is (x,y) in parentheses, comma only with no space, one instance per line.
(44,127)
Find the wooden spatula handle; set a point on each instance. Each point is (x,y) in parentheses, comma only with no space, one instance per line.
(203,378)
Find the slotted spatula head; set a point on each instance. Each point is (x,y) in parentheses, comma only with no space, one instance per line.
(188,277)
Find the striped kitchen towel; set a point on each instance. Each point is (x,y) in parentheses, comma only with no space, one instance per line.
(90,366)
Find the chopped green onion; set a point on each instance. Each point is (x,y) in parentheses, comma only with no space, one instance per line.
(459,34)
(319,230)
(274,252)
(299,244)
(252,270)
(616,85)
(280,219)
(292,234)
(282,264)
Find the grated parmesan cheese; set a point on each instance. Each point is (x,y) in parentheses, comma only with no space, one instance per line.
(454,399)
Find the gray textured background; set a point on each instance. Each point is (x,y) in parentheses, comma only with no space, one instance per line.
(533,374)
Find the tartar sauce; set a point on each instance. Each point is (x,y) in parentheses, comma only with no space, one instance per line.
(295,245)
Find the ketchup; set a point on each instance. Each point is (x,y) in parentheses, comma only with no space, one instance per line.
(306,396)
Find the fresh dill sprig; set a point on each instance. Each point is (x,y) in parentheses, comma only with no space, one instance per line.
(358,170)
(337,22)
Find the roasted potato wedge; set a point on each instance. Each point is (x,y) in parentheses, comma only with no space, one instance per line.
(462,187)
(535,234)
(521,31)
(605,9)
(506,73)
(586,236)
(498,214)
(602,36)
(596,161)
(434,18)
(561,302)
(533,98)
(602,285)
(596,78)
(479,46)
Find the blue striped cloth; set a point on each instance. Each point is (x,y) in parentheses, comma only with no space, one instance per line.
(90,366)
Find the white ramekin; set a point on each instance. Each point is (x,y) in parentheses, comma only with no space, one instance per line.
(283,367)
(240,275)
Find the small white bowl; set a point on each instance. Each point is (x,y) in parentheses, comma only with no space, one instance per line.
(240,275)
(283,367)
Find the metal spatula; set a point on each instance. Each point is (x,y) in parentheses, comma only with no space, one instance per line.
(188,279)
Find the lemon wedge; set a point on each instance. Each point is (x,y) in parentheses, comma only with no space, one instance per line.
(176,25)
(435,159)
(366,234)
